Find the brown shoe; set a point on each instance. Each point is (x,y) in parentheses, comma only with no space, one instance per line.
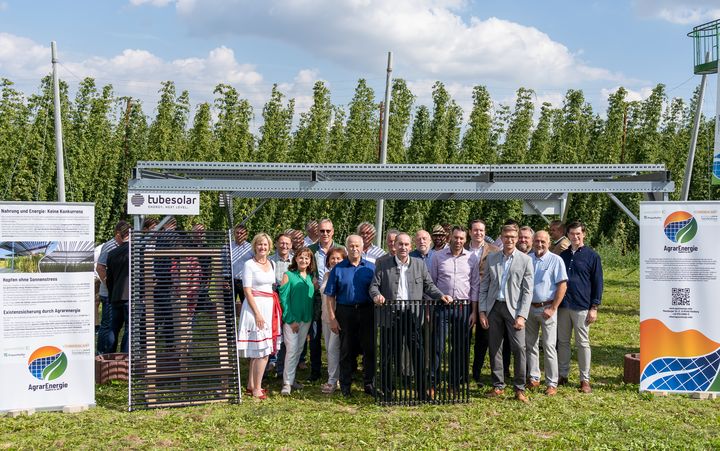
(585,387)
(532,383)
(495,392)
(520,396)
(431,394)
(562,380)
(551,391)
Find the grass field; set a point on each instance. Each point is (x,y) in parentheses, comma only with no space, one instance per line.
(614,416)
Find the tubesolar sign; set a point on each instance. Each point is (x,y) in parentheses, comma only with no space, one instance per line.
(163,203)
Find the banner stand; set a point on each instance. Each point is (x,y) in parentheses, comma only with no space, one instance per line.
(679,307)
(47,318)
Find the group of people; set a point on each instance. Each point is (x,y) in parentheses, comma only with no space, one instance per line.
(524,282)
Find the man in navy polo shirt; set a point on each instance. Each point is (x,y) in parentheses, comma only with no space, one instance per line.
(579,308)
(350,313)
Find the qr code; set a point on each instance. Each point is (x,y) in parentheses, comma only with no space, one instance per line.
(681,296)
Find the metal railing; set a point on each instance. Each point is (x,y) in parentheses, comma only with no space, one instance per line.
(182,320)
(423,352)
(705,47)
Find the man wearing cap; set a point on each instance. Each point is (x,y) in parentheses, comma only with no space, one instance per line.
(549,288)
(439,238)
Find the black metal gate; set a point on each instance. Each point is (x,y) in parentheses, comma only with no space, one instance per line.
(182,320)
(424,350)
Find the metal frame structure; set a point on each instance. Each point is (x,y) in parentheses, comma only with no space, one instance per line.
(531,183)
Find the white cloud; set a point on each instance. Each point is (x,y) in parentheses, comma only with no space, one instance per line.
(23,58)
(681,12)
(428,37)
(632,94)
(139,73)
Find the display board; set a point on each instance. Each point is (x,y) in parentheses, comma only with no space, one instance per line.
(679,297)
(46,305)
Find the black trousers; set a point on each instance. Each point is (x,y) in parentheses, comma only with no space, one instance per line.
(357,329)
(402,327)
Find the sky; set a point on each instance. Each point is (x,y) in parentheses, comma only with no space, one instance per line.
(549,46)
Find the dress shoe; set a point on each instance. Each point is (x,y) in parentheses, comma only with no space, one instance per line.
(585,387)
(346,391)
(562,380)
(495,392)
(297,385)
(532,383)
(314,377)
(520,396)
(551,391)
(370,389)
(431,394)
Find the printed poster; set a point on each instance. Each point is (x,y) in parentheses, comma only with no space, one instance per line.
(46,305)
(679,297)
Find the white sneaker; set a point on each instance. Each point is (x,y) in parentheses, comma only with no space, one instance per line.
(286,390)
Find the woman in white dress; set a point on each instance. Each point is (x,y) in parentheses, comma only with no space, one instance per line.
(259,327)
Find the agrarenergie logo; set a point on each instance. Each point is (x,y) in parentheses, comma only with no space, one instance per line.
(47,363)
(680,227)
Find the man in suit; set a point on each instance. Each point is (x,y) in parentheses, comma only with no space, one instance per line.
(399,279)
(504,303)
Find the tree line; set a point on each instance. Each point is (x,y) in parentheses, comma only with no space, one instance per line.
(105,134)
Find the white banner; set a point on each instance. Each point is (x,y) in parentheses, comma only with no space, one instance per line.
(46,305)
(163,203)
(679,300)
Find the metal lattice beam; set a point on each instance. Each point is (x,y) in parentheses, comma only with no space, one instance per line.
(393,181)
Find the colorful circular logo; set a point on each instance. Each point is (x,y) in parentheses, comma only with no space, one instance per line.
(680,227)
(47,363)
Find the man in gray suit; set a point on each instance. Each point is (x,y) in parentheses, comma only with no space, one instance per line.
(504,301)
(397,280)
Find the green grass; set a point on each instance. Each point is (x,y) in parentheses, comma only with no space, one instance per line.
(614,416)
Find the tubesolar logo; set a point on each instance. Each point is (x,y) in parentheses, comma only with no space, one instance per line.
(137,199)
(680,227)
(47,363)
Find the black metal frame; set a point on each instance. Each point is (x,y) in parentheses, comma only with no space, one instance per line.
(423,352)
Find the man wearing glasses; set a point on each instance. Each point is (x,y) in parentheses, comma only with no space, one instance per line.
(320,249)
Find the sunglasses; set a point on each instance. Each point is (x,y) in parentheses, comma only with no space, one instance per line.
(325,231)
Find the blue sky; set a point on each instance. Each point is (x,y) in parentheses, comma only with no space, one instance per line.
(549,46)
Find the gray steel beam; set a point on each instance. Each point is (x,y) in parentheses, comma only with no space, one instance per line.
(624,208)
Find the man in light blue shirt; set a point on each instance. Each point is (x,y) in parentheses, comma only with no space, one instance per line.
(240,252)
(549,288)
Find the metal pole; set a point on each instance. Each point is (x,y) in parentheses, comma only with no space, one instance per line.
(380,209)
(693,139)
(60,165)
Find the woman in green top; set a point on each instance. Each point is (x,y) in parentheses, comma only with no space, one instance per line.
(296,297)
